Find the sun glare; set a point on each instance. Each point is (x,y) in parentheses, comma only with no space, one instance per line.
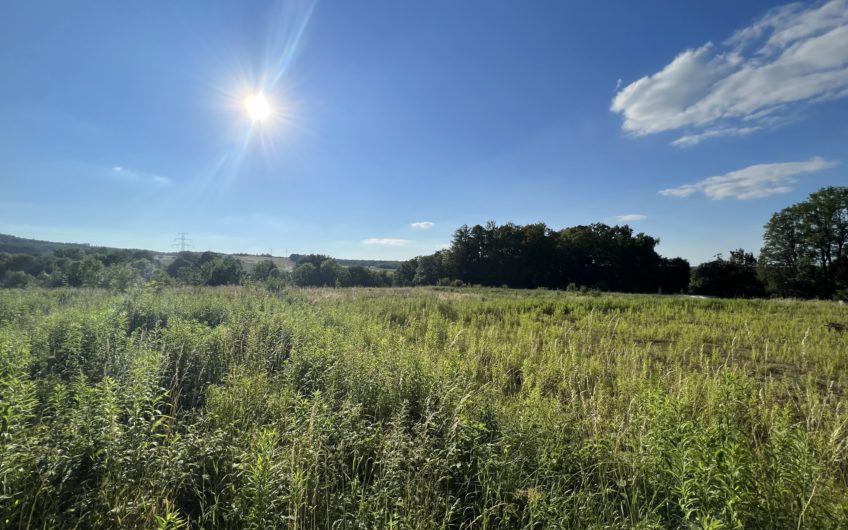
(257,107)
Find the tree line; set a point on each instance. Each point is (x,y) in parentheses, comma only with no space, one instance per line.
(121,269)
(609,258)
(804,255)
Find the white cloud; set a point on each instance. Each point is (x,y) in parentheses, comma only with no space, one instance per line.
(794,55)
(386,241)
(630,217)
(692,139)
(141,176)
(752,182)
(423,225)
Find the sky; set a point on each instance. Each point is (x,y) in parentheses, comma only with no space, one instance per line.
(393,123)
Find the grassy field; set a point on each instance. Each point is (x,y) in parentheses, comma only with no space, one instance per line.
(419,408)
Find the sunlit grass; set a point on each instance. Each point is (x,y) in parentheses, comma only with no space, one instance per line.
(411,408)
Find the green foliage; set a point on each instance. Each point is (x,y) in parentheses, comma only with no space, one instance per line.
(733,278)
(531,256)
(306,274)
(321,271)
(805,251)
(225,270)
(236,407)
(264,270)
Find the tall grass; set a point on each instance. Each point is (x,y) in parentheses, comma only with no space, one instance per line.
(414,408)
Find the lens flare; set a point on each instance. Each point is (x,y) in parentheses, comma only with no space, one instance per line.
(258,93)
(257,107)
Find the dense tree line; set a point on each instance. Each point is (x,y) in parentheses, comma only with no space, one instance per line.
(207,268)
(116,269)
(121,269)
(316,270)
(736,277)
(805,254)
(530,256)
(75,267)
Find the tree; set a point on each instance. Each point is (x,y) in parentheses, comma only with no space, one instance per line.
(674,275)
(119,277)
(360,276)
(84,273)
(184,269)
(405,274)
(305,274)
(529,256)
(263,270)
(331,274)
(429,270)
(458,257)
(315,259)
(805,250)
(733,278)
(179,263)
(17,279)
(223,271)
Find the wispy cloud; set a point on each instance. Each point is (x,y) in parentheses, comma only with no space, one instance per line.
(423,225)
(384,241)
(692,139)
(796,54)
(752,182)
(140,176)
(629,218)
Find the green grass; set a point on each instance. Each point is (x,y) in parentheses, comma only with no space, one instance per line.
(419,408)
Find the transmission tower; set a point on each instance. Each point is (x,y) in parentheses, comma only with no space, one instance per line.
(182,242)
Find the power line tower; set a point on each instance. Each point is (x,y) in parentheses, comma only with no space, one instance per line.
(182,242)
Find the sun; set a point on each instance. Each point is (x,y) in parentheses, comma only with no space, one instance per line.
(257,107)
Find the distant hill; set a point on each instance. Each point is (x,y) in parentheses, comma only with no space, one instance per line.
(20,245)
(368,263)
(250,260)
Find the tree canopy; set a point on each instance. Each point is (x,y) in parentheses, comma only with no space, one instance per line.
(529,256)
(732,278)
(805,247)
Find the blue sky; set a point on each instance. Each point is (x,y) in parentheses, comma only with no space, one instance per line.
(393,123)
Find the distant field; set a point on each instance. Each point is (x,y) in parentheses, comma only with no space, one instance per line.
(248,261)
(282,263)
(420,408)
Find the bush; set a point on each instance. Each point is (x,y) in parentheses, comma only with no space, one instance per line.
(17,279)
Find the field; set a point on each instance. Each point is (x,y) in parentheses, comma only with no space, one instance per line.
(419,408)
(248,261)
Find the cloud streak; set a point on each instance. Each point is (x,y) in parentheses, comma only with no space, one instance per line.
(140,176)
(385,241)
(422,225)
(794,55)
(629,218)
(752,182)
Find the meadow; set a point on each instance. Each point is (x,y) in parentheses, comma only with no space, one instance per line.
(236,407)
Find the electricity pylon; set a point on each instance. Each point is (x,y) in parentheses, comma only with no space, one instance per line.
(182,242)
